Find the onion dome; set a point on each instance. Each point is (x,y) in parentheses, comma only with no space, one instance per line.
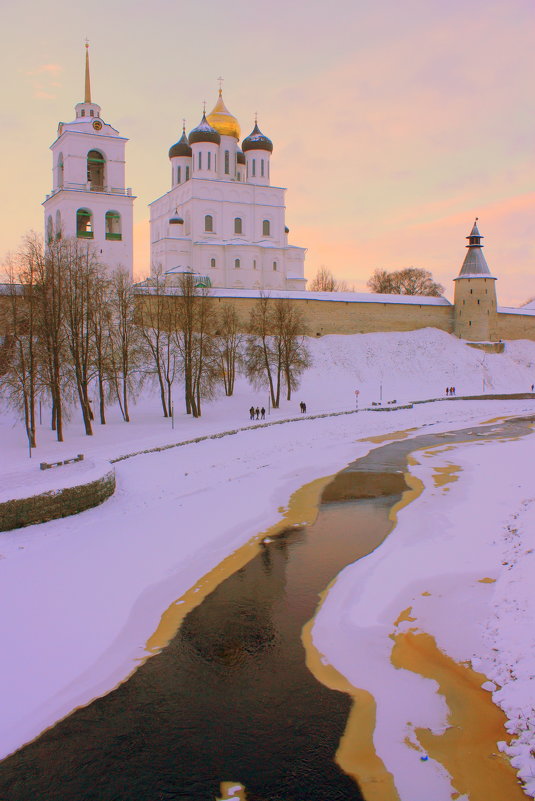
(181,148)
(240,157)
(257,141)
(204,133)
(176,221)
(222,120)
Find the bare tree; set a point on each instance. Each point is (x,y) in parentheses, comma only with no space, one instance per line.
(80,295)
(193,326)
(153,321)
(263,363)
(51,329)
(291,328)
(381,282)
(409,281)
(324,281)
(101,319)
(124,340)
(20,352)
(276,346)
(228,347)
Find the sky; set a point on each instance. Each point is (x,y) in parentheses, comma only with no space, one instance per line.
(394,124)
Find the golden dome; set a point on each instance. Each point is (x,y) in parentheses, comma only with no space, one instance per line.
(222,120)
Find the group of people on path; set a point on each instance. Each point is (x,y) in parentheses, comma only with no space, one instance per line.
(257,414)
(260,414)
(450,390)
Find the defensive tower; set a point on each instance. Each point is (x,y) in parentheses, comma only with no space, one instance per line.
(475,314)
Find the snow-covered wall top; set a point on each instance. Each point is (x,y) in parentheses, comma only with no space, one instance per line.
(528,311)
(341,297)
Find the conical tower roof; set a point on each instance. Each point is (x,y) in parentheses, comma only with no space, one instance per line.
(475,264)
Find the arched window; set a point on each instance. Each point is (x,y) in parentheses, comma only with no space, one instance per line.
(212,263)
(254,264)
(227,162)
(236,264)
(95,170)
(60,171)
(209,223)
(200,160)
(254,167)
(262,167)
(265,228)
(187,173)
(49,230)
(84,224)
(238,225)
(113,225)
(58,224)
(209,160)
(178,174)
(275,266)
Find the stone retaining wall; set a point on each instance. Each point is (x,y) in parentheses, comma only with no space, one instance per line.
(56,503)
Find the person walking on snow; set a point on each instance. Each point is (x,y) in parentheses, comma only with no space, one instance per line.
(257,412)
(262,413)
(251,413)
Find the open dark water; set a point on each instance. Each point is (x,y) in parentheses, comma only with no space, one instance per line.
(230,698)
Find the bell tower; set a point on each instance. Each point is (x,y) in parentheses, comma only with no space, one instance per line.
(476,316)
(89,199)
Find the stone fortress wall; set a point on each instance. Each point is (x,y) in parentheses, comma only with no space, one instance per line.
(474,315)
(355,313)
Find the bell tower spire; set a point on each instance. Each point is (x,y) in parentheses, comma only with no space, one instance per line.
(90,201)
(87,94)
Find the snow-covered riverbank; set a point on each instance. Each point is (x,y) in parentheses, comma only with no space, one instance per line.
(84,594)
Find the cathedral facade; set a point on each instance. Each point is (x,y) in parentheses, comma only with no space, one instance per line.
(221,218)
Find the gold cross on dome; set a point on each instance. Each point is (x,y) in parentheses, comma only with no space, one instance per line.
(204,106)
(220,79)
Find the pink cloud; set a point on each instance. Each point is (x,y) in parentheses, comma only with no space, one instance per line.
(44,80)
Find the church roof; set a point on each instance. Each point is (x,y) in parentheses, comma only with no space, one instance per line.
(257,141)
(204,133)
(222,120)
(181,148)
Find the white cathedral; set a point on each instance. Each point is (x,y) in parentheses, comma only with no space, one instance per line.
(221,219)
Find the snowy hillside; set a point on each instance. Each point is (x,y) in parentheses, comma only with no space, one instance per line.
(134,548)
